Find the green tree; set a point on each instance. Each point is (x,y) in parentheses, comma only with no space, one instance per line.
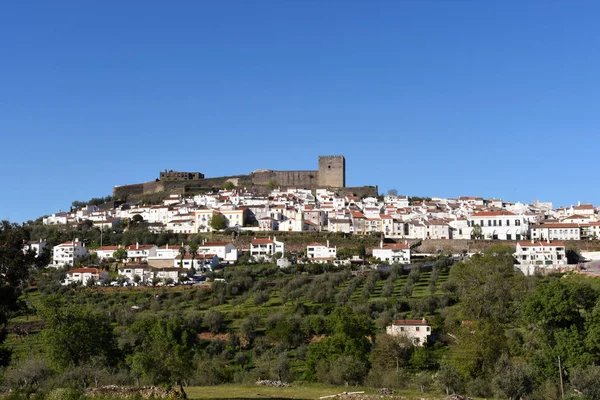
(165,354)
(477,232)
(229,185)
(511,379)
(585,380)
(348,339)
(73,336)
(15,265)
(193,252)
(182,253)
(120,254)
(487,285)
(218,222)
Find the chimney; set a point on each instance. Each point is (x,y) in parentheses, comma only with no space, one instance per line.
(137,245)
(532,241)
(381,244)
(328,243)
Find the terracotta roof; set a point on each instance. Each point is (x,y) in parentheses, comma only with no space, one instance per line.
(584,207)
(107,248)
(262,241)
(140,247)
(410,322)
(544,226)
(395,246)
(493,213)
(214,244)
(315,244)
(527,243)
(84,271)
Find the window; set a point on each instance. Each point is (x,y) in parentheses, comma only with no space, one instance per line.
(500,223)
(494,222)
(489,222)
(417,329)
(508,222)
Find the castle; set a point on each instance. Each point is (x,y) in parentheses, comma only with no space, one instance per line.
(331,173)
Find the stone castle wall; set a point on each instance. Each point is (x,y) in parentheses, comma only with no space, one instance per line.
(331,173)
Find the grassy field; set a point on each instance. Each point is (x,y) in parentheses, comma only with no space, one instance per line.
(299,391)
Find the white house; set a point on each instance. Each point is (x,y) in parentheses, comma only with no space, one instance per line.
(266,247)
(83,275)
(556,231)
(340,225)
(543,255)
(437,229)
(167,252)
(67,253)
(169,273)
(106,252)
(141,252)
(201,262)
(393,253)
(226,252)
(319,253)
(415,329)
(130,271)
(502,225)
(36,246)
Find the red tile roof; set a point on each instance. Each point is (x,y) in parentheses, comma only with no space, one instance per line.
(527,243)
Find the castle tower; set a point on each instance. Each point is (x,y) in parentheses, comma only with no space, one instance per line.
(332,171)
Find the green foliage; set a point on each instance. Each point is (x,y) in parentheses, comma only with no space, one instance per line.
(487,285)
(218,222)
(348,337)
(74,336)
(165,354)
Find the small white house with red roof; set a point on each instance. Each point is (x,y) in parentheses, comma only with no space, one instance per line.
(393,253)
(320,253)
(140,252)
(418,330)
(106,252)
(266,247)
(542,255)
(83,275)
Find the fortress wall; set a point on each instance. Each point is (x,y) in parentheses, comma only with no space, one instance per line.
(153,187)
(360,191)
(286,178)
(122,192)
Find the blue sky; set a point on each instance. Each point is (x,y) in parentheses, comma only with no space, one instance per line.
(432,98)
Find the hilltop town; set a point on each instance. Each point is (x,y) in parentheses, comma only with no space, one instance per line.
(266,281)
(538,231)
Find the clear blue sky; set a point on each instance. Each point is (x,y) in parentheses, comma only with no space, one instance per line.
(446,98)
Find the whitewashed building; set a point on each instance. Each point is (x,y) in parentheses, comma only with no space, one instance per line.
(69,252)
(500,225)
(393,253)
(532,255)
(556,231)
(320,253)
(418,330)
(266,247)
(83,275)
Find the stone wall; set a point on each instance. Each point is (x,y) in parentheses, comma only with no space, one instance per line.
(332,171)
